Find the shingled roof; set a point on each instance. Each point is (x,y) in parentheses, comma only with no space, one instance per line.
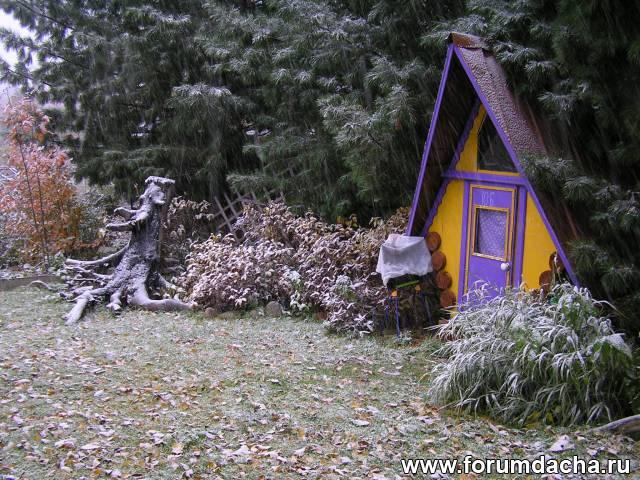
(473,74)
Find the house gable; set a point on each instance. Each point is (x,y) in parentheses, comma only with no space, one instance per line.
(451,158)
(446,218)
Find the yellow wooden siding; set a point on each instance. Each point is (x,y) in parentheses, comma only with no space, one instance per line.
(538,246)
(448,224)
(469,157)
(448,221)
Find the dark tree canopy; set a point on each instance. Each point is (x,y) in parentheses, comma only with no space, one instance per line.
(335,93)
(338,93)
(131,78)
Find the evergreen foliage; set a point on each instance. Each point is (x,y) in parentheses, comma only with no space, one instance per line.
(132,80)
(578,63)
(326,100)
(329,100)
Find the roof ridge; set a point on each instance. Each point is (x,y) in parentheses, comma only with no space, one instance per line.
(467,40)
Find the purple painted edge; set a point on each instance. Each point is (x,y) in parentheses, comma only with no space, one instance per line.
(435,206)
(427,148)
(463,241)
(484,177)
(520,226)
(456,157)
(516,162)
(465,136)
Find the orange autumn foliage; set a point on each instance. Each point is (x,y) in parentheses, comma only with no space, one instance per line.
(39,202)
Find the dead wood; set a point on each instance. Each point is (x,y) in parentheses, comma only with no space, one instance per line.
(136,271)
(624,425)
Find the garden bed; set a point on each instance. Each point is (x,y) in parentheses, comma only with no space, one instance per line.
(11,283)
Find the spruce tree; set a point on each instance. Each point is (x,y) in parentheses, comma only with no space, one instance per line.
(327,100)
(132,81)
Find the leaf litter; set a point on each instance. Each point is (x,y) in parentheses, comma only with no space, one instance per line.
(150,395)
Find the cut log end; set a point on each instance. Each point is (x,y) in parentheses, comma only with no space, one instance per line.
(443,280)
(447,299)
(433,241)
(438,261)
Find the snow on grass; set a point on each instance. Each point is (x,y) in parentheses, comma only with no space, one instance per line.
(158,395)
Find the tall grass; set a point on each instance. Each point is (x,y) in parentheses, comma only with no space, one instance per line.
(523,358)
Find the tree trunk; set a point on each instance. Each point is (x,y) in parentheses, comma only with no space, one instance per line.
(137,272)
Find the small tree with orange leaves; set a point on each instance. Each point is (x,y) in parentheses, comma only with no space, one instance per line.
(39,203)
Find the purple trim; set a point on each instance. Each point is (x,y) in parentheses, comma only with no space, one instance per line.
(516,162)
(456,157)
(484,177)
(521,224)
(425,154)
(435,206)
(463,241)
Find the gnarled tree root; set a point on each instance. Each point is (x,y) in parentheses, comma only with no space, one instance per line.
(141,299)
(81,303)
(136,265)
(108,260)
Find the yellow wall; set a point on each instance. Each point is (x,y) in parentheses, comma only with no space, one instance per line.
(448,224)
(448,221)
(538,246)
(468,157)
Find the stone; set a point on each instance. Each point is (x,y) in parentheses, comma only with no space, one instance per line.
(273,309)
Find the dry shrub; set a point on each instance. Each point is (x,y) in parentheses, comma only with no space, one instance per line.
(300,261)
(40,212)
(187,223)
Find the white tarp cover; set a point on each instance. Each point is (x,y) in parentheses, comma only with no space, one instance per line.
(401,255)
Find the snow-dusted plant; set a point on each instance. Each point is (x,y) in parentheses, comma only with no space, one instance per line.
(299,260)
(525,358)
(187,222)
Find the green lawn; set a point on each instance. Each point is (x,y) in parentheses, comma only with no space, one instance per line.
(148,395)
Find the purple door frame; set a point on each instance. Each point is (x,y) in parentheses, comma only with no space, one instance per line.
(492,236)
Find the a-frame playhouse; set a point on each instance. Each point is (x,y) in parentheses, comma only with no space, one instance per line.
(473,198)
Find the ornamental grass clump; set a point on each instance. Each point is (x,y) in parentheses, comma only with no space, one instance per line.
(523,358)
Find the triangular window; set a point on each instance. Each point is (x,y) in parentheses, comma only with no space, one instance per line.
(492,155)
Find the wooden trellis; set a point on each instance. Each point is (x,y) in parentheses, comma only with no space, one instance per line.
(227,210)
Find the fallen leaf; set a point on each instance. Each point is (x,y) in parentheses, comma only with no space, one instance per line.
(359,423)
(561,444)
(90,446)
(65,443)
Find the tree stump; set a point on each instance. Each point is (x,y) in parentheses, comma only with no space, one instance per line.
(136,269)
